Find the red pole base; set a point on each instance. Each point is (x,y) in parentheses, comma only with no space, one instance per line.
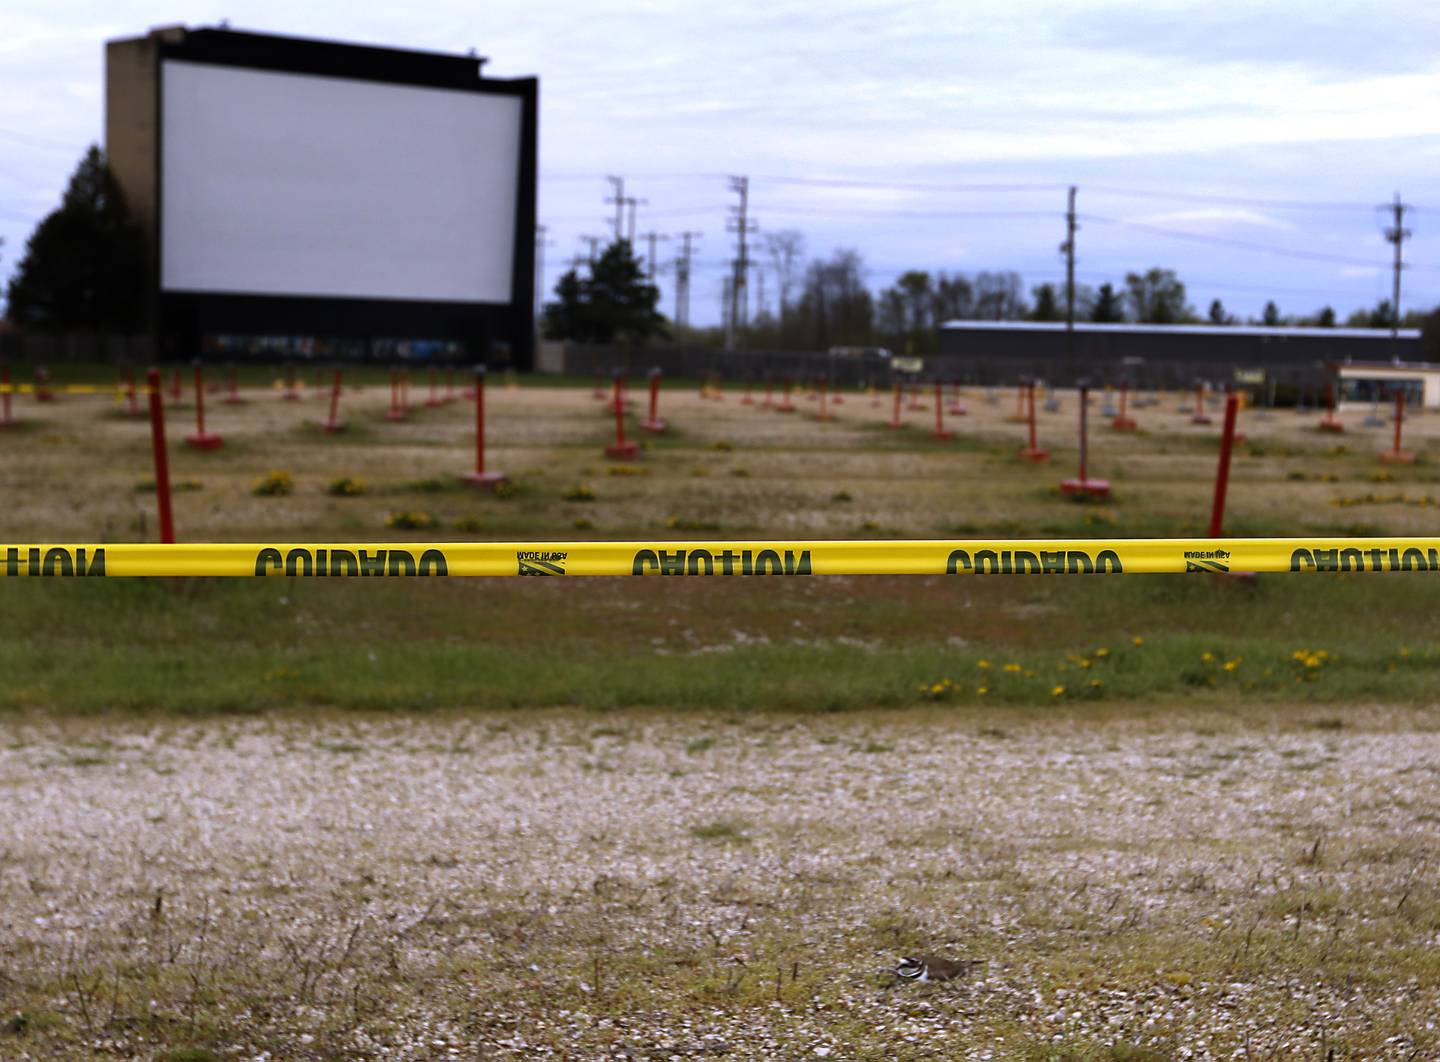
(1124,424)
(626,451)
(1035,455)
(748,400)
(208,441)
(785,407)
(1092,488)
(1330,424)
(434,403)
(917,407)
(482,480)
(44,396)
(824,415)
(234,400)
(654,427)
(1201,418)
(292,395)
(1398,457)
(331,429)
(397,414)
(942,434)
(957,411)
(838,400)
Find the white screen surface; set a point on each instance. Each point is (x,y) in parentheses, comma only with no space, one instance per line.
(288,184)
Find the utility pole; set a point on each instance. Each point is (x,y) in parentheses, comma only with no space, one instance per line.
(631,202)
(727,307)
(742,225)
(619,200)
(682,279)
(759,292)
(651,238)
(1068,249)
(594,244)
(1396,234)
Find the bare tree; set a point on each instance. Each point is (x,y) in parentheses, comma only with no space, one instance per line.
(786,249)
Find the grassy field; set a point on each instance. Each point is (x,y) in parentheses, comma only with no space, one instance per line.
(1169,817)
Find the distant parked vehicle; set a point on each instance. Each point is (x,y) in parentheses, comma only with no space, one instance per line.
(859,352)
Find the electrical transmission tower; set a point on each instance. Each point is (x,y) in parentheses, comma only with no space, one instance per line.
(652,238)
(631,202)
(1397,234)
(742,225)
(618,183)
(682,279)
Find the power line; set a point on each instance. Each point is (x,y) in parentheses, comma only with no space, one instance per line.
(1225,241)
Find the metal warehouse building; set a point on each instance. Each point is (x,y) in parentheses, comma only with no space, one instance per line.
(1279,359)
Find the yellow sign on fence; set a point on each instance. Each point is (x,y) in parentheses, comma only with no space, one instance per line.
(933,557)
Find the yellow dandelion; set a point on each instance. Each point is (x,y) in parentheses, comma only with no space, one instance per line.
(1404,651)
(1057,691)
(1207,657)
(1096,684)
(1137,641)
(1012,667)
(1231,665)
(982,690)
(1102,652)
(982,664)
(1084,663)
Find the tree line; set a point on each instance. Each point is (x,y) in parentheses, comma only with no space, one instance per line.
(84,267)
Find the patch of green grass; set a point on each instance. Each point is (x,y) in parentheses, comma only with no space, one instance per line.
(730,830)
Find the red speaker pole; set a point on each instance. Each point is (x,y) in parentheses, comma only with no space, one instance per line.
(1396,455)
(622,449)
(480,477)
(786,406)
(157,447)
(1329,422)
(291,394)
(201,440)
(332,424)
(397,412)
(1084,485)
(940,432)
(1124,422)
(1200,416)
(653,424)
(895,421)
(1033,451)
(823,385)
(1222,471)
(232,387)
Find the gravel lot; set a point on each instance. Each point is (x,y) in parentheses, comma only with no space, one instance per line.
(1195,884)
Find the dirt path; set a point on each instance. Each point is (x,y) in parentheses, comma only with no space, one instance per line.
(658,885)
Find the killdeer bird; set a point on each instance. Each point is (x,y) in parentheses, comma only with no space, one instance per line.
(929,968)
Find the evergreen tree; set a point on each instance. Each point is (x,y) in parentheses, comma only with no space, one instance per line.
(1270,317)
(1107,308)
(1217,313)
(1325,318)
(615,302)
(1047,306)
(84,265)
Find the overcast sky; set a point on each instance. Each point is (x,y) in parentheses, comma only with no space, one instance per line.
(1205,137)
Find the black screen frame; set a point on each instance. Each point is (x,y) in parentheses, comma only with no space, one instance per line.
(500,333)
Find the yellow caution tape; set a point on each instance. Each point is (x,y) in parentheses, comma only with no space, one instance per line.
(70,389)
(998,557)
